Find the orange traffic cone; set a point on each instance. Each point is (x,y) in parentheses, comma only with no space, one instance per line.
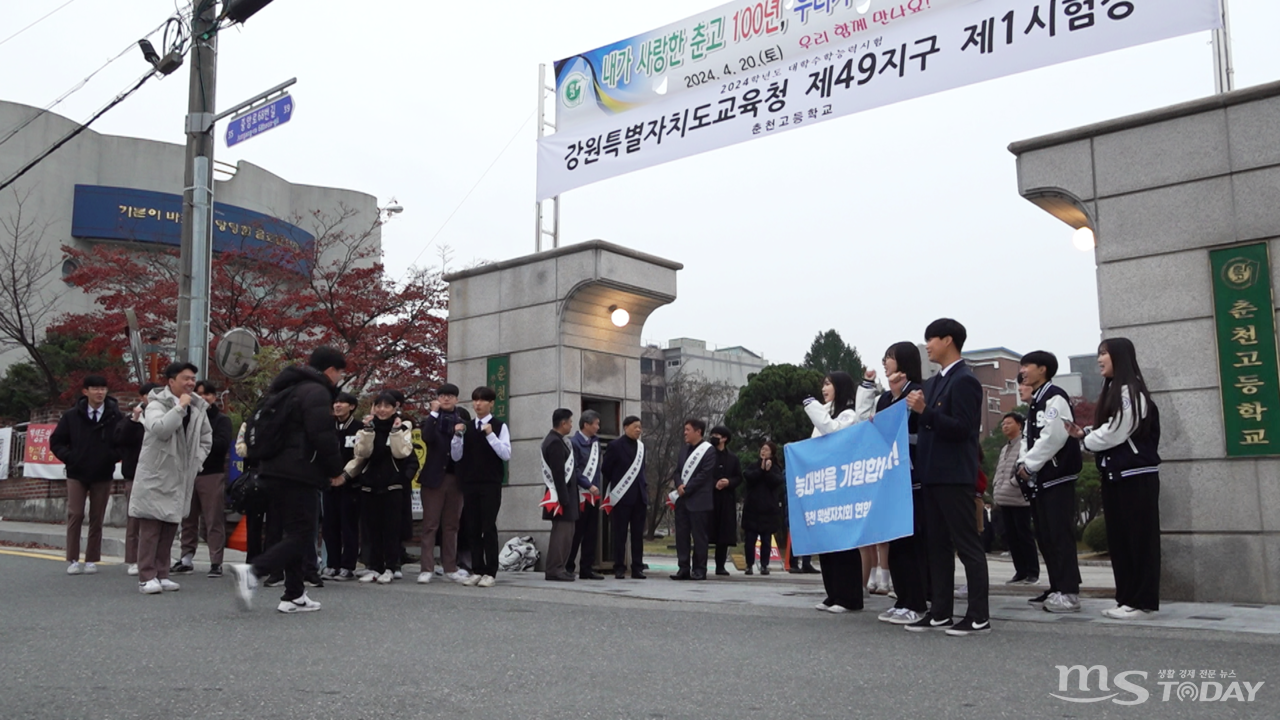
(239,539)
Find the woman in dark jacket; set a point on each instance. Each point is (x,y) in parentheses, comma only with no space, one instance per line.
(724,513)
(762,482)
(388,464)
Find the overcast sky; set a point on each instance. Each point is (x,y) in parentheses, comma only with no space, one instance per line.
(872,224)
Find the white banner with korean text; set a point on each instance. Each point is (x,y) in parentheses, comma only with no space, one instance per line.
(948,48)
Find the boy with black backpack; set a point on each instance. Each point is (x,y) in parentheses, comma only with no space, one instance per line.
(291,437)
(1048,463)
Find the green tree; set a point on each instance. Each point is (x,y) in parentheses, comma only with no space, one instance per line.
(70,357)
(829,352)
(771,407)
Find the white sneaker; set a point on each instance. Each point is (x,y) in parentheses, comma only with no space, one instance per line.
(244,583)
(90,568)
(1062,603)
(889,615)
(1116,612)
(907,617)
(837,609)
(821,606)
(298,605)
(75,568)
(458,575)
(169,586)
(385,578)
(1124,612)
(369,577)
(472,580)
(363,572)
(486,582)
(397,575)
(424,578)
(132,569)
(150,587)
(440,570)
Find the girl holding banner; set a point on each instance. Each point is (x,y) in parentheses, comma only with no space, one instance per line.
(841,571)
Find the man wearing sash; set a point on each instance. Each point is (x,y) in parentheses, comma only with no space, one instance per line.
(560,502)
(628,497)
(692,498)
(586,456)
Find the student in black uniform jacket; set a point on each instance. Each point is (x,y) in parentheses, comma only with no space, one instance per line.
(557,455)
(763,483)
(950,408)
(128,443)
(1125,441)
(626,508)
(342,504)
(908,556)
(724,499)
(480,453)
(693,483)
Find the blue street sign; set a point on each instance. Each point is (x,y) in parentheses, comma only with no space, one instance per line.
(260,120)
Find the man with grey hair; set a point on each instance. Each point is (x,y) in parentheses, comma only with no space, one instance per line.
(587,463)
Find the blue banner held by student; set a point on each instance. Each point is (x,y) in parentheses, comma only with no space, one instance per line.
(851,488)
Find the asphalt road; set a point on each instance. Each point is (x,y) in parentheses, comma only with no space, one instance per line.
(92,647)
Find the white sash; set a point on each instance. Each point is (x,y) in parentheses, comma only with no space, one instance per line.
(551,499)
(624,484)
(593,461)
(690,465)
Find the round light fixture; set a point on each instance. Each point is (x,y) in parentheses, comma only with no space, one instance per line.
(1084,240)
(619,316)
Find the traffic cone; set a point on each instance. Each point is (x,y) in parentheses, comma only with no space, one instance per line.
(239,539)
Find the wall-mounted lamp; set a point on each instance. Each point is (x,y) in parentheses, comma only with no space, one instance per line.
(1084,239)
(619,316)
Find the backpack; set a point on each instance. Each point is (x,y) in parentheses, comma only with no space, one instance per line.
(518,555)
(265,429)
(246,494)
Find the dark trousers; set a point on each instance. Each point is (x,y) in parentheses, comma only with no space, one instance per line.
(1055,510)
(381,513)
(482,526)
(256,529)
(130,529)
(97,494)
(952,529)
(628,520)
(586,532)
(558,549)
(1021,541)
(294,507)
(750,537)
(692,526)
(342,527)
(909,562)
(1132,509)
(842,578)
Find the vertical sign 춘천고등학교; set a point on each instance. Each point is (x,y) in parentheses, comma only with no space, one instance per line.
(1245,324)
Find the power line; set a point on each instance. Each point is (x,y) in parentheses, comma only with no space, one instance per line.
(70,136)
(473,188)
(37,22)
(80,85)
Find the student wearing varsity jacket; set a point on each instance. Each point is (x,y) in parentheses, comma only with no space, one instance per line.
(1048,464)
(1126,443)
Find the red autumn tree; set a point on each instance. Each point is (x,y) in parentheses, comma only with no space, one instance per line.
(332,292)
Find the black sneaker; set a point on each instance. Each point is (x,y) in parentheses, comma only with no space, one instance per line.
(215,571)
(1015,580)
(970,627)
(274,581)
(1039,599)
(927,623)
(749,572)
(181,568)
(313,580)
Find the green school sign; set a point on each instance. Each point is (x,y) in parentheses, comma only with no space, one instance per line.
(499,378)
(1245,320)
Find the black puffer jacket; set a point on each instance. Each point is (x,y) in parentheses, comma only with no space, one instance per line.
(85,447)
(311,452)
(216,463)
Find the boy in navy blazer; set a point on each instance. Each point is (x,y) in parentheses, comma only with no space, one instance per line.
(950,408)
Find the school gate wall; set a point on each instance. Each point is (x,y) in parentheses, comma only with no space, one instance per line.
(1161,190)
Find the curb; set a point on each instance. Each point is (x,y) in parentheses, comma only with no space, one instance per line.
(111,547)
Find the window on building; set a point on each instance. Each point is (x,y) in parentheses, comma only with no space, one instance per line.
(673,363)
(993,404)
(1010,387)
(646,366)
(659,393)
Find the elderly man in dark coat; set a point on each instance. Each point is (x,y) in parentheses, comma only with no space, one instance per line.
(560,502)
(724,499)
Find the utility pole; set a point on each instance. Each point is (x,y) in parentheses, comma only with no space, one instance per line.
(1224,71)
(197,195)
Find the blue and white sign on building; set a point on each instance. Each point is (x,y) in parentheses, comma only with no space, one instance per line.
(260,119)
(851,488)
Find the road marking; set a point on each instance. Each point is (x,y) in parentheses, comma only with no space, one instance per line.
(38,555)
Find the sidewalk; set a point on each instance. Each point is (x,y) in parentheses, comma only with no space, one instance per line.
(798,592)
